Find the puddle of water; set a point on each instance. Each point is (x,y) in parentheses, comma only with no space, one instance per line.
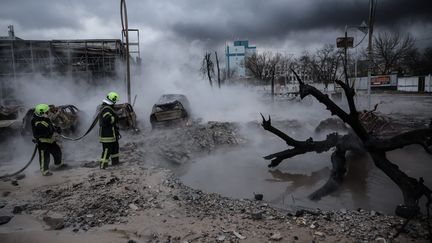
(239,173)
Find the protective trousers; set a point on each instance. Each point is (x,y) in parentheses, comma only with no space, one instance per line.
(109,150)
(45,150)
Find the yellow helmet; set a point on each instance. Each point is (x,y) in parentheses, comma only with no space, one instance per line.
(113,97)
(41,109)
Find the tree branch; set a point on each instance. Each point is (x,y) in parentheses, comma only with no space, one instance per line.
(422,137)
(412,189)
(334,109)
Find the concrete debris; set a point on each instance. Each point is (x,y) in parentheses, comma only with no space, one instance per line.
(221,238)
(54,223)
(18,209)
(238,235)
(380,240)
(257,215)
(195,140)
(276,237)
(133,207)
(258,197)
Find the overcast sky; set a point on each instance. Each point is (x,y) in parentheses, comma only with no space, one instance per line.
(188,27)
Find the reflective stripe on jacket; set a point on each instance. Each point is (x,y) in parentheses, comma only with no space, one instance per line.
(43,129)
(108,129)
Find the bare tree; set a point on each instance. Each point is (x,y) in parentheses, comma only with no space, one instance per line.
(303,64)
(390,50)
(326,64)
(361,138)
(256,64)
(273,64)
(266,66)
(412,64)
(207,67)
(427,61)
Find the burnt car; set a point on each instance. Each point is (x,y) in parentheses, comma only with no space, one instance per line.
(170,109)
(127,116)
(10,119)
(65,116)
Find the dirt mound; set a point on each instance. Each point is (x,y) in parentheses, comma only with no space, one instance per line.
(178,145)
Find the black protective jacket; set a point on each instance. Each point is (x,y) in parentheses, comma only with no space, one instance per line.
(43,129)
(108,128)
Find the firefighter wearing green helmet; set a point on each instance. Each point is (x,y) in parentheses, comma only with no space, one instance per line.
(43,131)
(109,131)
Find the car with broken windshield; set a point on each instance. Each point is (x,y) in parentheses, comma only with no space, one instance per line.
(170,110)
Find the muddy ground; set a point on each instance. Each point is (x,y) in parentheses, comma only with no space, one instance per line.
(139,201)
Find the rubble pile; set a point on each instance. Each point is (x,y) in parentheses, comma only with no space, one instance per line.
(358,224)
(180,144)
(102,198)
(114,196)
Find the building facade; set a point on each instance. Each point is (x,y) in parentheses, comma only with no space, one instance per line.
(90,60)
(236,55)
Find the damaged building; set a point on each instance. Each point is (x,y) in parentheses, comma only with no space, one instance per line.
(89,60)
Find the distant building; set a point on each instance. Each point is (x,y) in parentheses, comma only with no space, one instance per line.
(11,34)
(235,58)
(91,60)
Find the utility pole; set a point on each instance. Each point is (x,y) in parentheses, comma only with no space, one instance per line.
(124,19)
(371,13)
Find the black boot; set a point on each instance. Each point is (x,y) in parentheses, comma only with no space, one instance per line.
(115,161)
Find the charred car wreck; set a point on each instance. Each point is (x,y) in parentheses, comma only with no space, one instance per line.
(9,119)
(65,116)
(171,109)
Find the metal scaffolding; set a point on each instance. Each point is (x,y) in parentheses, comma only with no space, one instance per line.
(91,60)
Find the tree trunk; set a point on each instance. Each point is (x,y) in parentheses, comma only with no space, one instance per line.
(218,70)
(208,62)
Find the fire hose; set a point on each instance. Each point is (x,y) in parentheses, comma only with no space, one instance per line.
(95,121)
(65,137)
(25,167)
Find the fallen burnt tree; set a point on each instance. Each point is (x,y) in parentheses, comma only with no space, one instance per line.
(359,139)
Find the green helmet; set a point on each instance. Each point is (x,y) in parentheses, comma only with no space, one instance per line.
(41,109)
(113,97)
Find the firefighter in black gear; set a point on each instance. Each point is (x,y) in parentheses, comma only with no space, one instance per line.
(109,131)
(43,131)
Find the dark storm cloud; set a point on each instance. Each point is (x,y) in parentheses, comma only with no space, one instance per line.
(39,14)
(216,21)
(277,19)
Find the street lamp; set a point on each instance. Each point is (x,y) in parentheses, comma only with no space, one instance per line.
(349,42)
(372,9)
(343,42)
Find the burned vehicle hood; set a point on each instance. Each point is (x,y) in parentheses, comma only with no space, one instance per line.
(170,108)
(169,102)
